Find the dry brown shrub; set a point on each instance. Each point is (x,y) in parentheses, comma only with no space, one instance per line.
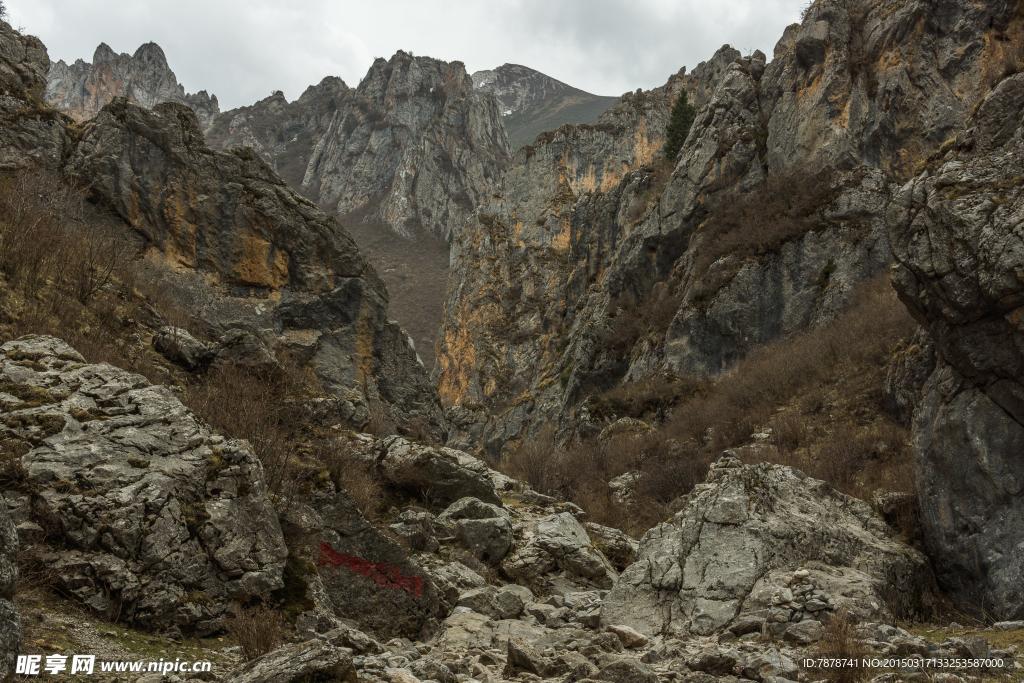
(533,461)
(789,431)
(355,475)
(245,404)
(257,629)
(842,640)
(50,235)
(380,424)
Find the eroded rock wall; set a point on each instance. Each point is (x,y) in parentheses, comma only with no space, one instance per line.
(241,250)
(853,101)
(82,89)
(956,235)
(414,147)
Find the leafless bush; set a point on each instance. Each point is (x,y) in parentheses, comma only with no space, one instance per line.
(50,233)
(380,424)
(789,431)
(257,629)
(532,461)
(356,476)
(245,404)
(842,640)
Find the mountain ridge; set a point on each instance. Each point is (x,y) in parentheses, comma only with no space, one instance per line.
(533,102)
(144,77)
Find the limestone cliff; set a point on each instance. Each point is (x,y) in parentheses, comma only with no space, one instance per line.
(81,89)
(413,147)
(770,218)
(30,133)
(532,102)
(242,250)
(283,133)
(519,269)
(956,235)
(228,239)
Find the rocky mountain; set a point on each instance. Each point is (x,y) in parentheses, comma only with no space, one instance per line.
(770,218)
(767,222)
(283,133)
(413,147)
(230,238)
(532,102)
(235,238)
(81,89)
(517,269)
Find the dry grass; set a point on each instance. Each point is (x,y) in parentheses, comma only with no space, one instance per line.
(355,475)
(818,395)
(258,630)
(842,641)
(415,271)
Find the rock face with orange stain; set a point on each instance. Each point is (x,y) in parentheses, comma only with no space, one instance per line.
(81,89)
(241,250)
(955,231)
(525,261)
(771,218)
(413,146)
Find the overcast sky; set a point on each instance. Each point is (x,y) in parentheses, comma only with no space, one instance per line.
(242,51)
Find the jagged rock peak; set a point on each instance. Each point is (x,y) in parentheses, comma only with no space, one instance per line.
(327,84)
(145,78)
(517,87)
(416,142)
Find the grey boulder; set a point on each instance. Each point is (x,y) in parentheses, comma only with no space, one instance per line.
(317,659)
(161,522)
(433,472)
(560,541)
(707,566)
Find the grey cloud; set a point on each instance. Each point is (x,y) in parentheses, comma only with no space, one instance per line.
(242,51)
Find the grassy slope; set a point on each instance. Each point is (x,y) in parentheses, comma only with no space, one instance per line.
(574,107)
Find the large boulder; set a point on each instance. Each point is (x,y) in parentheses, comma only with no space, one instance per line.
(10,619)
(153,518)
(955,233)
(713,562)
(320,659)
(560,541)
(362,574)
(485,529)
(435,473)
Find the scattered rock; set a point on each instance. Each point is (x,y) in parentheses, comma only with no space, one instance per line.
(630,637)
(804,632)
(626,671)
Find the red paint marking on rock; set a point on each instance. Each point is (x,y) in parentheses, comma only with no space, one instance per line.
(384,574)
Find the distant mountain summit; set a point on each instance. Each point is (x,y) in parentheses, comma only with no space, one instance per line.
(81,89)
(532,102)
